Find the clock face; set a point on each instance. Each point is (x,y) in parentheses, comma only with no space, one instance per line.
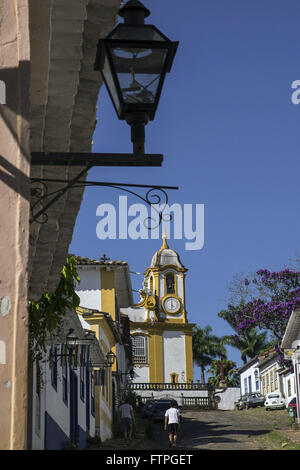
(172,305)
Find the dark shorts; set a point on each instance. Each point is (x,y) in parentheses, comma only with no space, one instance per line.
(126,424)
(172,428)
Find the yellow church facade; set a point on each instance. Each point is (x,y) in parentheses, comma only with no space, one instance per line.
(161,334)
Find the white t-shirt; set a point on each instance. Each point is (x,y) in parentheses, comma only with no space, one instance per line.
(173,415)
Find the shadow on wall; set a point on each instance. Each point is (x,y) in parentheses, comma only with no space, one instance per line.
(17,90)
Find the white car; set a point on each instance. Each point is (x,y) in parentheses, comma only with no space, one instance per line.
(274,400)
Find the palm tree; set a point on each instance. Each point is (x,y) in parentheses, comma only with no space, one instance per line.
(206,347)
(248,342)
(230,373)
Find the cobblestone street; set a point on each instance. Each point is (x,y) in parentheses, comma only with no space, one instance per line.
(231,430)
(253,429)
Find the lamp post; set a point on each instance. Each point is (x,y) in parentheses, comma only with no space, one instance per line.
(134,60)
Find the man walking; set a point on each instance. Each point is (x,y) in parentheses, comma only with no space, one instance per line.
(172,423)
(127,420)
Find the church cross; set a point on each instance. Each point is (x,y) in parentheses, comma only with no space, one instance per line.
(104,258)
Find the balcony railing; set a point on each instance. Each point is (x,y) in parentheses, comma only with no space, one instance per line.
(169,386)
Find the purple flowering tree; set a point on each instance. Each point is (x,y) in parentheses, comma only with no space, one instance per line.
(278,295)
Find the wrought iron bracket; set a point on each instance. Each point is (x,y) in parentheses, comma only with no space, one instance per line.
(95,159)
(155,195)
(39,193)
(42,199)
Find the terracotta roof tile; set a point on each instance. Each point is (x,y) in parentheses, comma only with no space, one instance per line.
(88,261)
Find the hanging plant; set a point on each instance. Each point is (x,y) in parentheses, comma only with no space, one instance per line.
(47,314)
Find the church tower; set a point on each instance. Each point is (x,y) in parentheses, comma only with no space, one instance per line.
(161,334)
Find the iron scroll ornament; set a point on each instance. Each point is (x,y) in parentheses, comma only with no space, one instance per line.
(40,194)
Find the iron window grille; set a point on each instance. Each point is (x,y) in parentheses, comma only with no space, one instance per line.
(139,347)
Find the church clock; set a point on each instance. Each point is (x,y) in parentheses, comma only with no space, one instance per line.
(171,305)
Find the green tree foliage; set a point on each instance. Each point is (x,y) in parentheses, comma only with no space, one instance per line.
(46,315)
(206,347)
(249,342)
(231,375)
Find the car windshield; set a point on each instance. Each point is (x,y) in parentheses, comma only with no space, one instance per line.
(162,406)
(274,396)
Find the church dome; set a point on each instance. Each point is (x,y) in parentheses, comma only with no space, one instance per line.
(165,256)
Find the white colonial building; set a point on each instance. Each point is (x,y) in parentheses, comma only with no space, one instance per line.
(249,377)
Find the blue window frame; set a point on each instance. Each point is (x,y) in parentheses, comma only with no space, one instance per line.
(64,371)
(250,384)
(92,395)
(53,367)
(82,369)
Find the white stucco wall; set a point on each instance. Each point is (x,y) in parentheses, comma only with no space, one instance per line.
(180,286)
(51,402)
(89,288)
(135,314)
(105,431)
(141,374)
(227,397)
(174,355)
(55,406)
(250,373)
(161,285)
(289,392)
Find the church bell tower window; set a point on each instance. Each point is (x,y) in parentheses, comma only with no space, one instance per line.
(170,283)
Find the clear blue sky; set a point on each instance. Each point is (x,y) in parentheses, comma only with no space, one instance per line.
(230,138)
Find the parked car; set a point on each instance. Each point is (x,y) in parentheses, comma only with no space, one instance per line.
(157,413)
(293,404)
(274,400)
(250,400)
(147,408)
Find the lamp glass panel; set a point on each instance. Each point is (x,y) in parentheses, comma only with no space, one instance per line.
(139,71)
(110,83)
(71,341)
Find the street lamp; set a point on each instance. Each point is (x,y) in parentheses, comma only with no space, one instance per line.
(71,342)
(110,359)
(133,60)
